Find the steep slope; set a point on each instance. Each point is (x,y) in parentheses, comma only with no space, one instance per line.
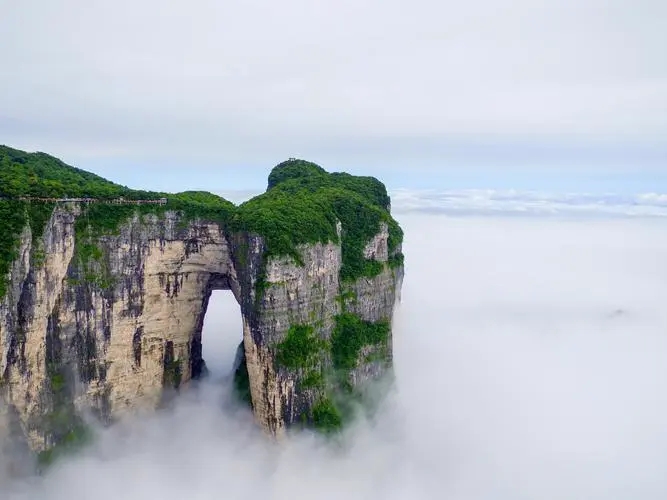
(102,304)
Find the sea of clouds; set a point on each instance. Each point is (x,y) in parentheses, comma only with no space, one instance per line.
(529,203)
(530,363)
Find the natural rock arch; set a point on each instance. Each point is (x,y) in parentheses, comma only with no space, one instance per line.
(104,305)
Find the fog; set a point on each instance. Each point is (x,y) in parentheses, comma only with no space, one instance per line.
(222,332)
(530,363)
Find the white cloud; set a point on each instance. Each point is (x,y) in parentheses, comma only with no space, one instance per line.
(528,203)
(530,364)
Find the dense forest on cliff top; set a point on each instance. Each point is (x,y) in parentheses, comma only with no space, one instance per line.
(302,204)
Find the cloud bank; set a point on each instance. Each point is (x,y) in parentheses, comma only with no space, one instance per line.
(528,203)
(530,364)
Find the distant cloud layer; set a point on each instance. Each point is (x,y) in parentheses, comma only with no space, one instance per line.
(528,203)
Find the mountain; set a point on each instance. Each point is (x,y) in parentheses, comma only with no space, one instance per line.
(102,301)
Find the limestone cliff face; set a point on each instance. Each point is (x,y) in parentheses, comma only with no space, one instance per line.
(112,324)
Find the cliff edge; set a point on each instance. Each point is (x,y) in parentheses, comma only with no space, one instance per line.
(102,299)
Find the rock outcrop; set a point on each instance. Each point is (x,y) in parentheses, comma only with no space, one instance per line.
(110,322)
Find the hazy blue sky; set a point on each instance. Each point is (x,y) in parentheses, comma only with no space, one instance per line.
(568,95)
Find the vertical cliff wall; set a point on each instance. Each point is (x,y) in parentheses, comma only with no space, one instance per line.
(291,342)
(103,316)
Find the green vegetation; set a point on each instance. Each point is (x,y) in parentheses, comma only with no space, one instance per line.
(326,416)
(313,379)
(346,297)
(15,215)
(294,169)
(93,266)
(309,175)
(65,427)
(78,436)
(42,175)
(303,351)
(347,294)
(350,335)
(173,373)
(200,205)
(301,348)
(38,257)
(242,384)
(13,221)
(57,382)
(105,219)
(396,260)
(285,220)
(38,215)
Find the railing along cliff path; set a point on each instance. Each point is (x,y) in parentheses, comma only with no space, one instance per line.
(115,201)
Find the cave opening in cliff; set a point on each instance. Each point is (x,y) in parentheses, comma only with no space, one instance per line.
(222,332)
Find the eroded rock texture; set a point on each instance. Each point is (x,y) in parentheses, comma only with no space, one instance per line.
(107,325)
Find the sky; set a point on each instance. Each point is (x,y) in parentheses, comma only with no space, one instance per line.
(529,357)
(530,340)
(528,94)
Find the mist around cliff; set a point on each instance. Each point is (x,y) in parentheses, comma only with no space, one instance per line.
(530,362)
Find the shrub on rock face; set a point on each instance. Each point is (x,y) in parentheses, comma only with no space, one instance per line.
(326,417)
(350,335)
(300,349)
